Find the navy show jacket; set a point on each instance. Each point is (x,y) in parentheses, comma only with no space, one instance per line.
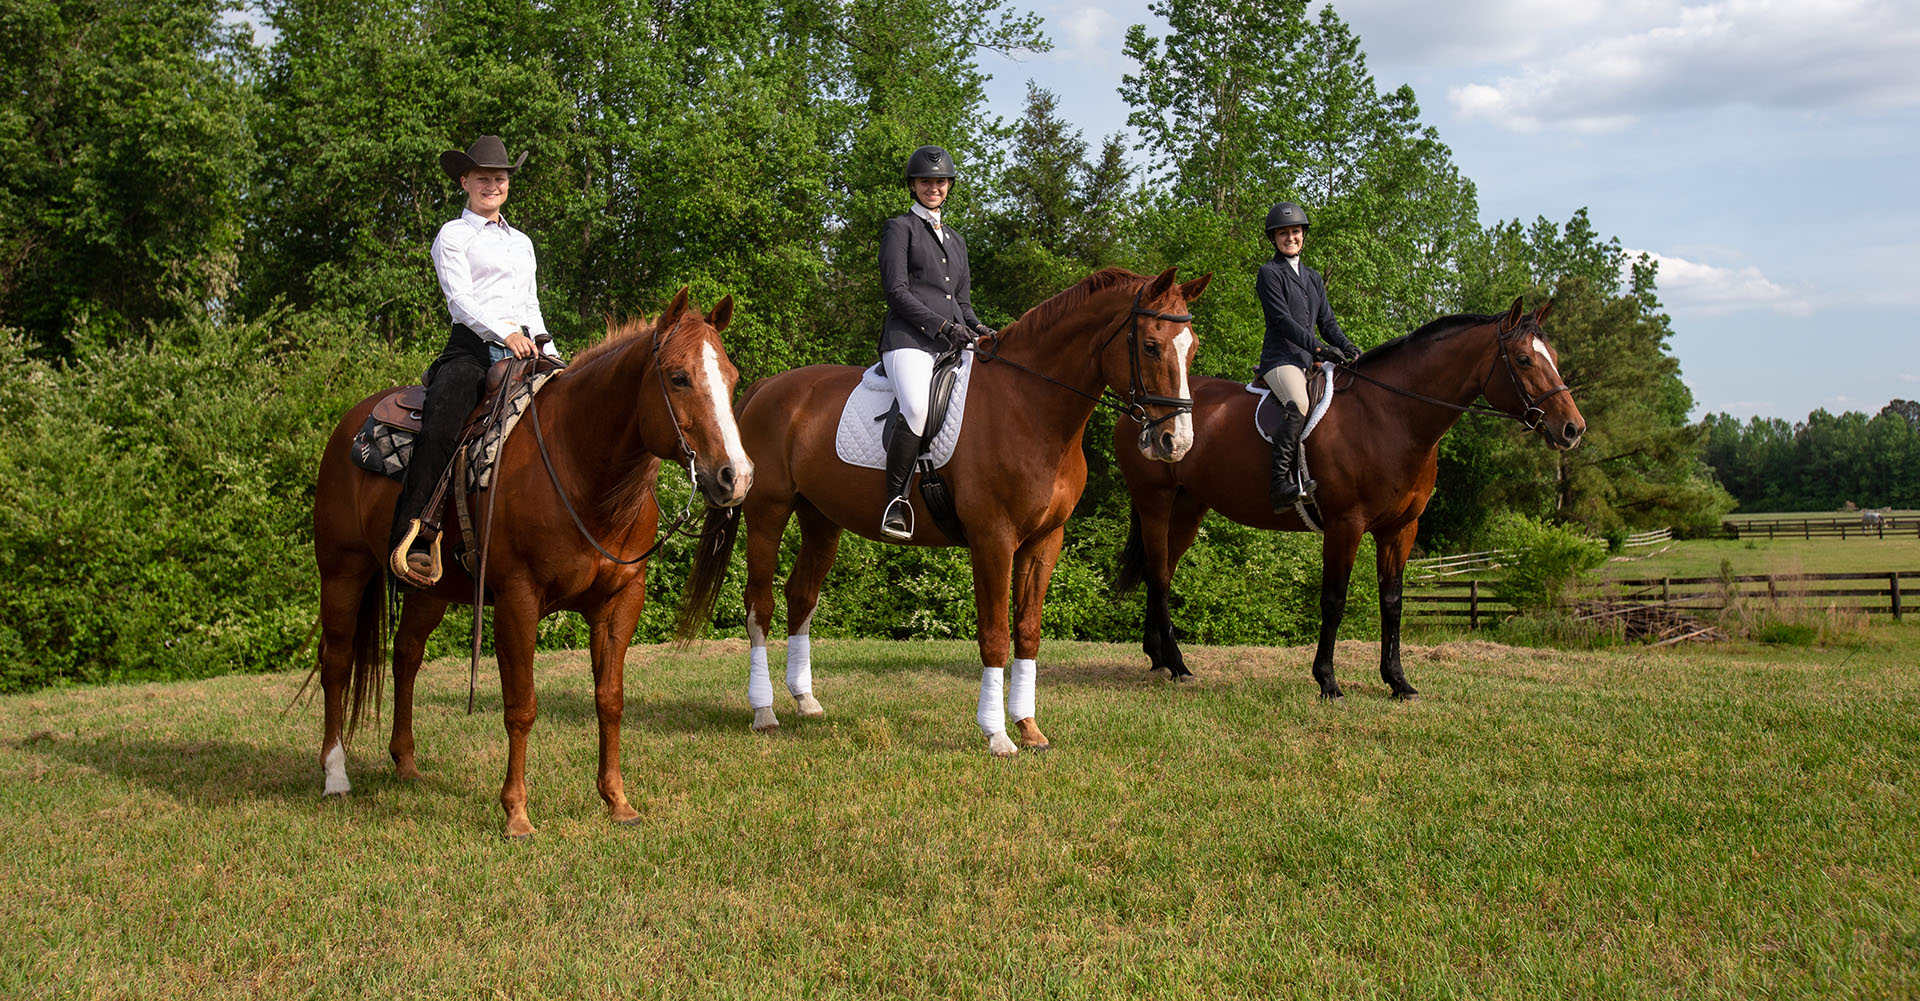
(926,283)
(1294,305)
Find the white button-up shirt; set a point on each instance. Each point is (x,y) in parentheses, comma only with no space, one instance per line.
(486,271)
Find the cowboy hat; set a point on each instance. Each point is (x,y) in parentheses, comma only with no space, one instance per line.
(486,151)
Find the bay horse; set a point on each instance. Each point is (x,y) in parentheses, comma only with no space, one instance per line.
(575,504)
(1015,474)
(1374,453)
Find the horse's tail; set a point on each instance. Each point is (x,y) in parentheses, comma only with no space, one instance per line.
(1133,557)
(370,630)
(710,563)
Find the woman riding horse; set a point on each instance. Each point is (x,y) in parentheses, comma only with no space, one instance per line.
(486,270)
(1294,299)
(923,272)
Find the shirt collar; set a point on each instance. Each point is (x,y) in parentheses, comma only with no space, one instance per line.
(478,221)
(926,213)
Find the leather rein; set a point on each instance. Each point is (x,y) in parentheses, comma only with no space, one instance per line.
(1136,407)
(1531,414)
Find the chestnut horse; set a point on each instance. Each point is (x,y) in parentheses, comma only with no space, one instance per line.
(647,392)
(1016,473)
(1374,454)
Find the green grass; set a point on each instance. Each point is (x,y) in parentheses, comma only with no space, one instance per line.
(1701,557)
(1702,823)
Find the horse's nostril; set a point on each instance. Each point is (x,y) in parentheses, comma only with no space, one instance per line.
(1166,442)
(725,477)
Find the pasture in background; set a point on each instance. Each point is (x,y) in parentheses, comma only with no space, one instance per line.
(1694,822)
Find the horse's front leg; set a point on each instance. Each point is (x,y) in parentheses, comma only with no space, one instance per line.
(992,586)
(515,617)
(1337,551)
(766,521)
(611,628)
(819,543)
(420,613)
(1032,573)
(1392,549)
(1183,526)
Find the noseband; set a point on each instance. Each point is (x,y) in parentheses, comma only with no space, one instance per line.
(1530,415)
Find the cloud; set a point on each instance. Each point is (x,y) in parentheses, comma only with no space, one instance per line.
(1711,290)
(1799,55)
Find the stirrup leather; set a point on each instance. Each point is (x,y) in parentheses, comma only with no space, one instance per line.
(397,561)
(887,519)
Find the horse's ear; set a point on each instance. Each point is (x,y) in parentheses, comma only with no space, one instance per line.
(722,314)
(671,315)
(1540,315)
(1512,319)
(1160,286)
(1191,290)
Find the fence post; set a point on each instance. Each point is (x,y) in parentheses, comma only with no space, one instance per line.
(1806,528)
(1772,595)
(1893,588)
(1473,604)
(1665,595)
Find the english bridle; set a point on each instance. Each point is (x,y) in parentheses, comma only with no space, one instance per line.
(1139,400)
(1531,415)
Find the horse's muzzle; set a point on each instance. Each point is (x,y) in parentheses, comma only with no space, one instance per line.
(725,485)
(1167,441)
(1562,435)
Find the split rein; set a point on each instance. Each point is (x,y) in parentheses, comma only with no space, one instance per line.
(1136,408)
(1531,414)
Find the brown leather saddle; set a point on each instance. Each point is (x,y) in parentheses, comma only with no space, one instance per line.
(384,443)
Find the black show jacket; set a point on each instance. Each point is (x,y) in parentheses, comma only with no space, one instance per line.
(926,283)
(1294,305)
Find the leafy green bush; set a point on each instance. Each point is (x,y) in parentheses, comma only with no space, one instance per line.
(1546,560)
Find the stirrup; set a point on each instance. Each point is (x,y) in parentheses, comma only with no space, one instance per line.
(397,561)
(901,527)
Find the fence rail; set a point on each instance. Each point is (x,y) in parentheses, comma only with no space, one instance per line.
(1494,559)
(1890,593)
(1821,528)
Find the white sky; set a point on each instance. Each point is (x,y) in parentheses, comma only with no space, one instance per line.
(1762,150)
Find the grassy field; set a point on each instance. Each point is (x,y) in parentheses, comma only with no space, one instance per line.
(1701,557)
(1701,823)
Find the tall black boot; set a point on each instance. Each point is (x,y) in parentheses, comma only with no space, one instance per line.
(1282,489)
(901,451)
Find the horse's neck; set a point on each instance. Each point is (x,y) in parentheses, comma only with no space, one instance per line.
(598,425)
(1439,370)
(1067,356)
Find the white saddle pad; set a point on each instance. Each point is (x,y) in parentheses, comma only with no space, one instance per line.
(858,438)
(1313,419)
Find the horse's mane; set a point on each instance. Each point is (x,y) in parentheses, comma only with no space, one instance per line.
(1432,330)
(1050,311)
(633,487)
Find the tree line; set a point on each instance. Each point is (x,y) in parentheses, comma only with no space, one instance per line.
(210,246)
(1822,463)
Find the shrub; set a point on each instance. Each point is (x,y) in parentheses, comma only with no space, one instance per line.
(1546,560)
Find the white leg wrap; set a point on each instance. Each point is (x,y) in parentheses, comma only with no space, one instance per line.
(992,714)
(1020,690)
(799,664)
(759,684)
(335,768)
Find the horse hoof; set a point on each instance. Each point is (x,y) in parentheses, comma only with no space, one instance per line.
(633,821)
(1037,748)
(334,796)
(1332,696)
(1183,678)
(1406,696)
(764,721)
(523,836)
(809,707)
(1000,747)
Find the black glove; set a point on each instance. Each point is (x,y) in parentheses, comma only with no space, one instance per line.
(1326,352)
(1352,354)
(982,330)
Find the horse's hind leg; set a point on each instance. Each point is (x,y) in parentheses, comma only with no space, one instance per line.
(1032,573)
(1391,551)
(419,615)
(766,522)
(819,543)
(343,609)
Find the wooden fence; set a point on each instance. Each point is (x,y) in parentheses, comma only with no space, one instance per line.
(1471,602)
(1820,528)
(1492,559)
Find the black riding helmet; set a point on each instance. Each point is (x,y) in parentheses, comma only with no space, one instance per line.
(930,161)
(1286,214)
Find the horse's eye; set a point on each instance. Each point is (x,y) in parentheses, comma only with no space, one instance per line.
(1152,350)
(680,380)
(1526,361)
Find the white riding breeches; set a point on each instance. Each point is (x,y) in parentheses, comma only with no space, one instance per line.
(911,372)
(1289,384)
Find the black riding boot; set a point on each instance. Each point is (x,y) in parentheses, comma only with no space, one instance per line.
(901,451)
(1282,489)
